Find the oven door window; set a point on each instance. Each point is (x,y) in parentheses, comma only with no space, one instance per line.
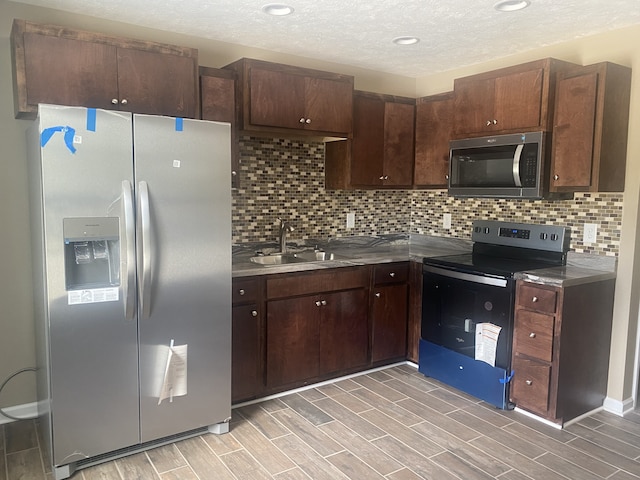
(451,308)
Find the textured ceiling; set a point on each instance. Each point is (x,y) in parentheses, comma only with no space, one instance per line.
(453,33)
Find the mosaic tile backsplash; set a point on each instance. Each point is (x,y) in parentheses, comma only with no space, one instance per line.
(284,178)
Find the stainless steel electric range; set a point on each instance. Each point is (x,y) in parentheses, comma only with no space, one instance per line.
(468,305)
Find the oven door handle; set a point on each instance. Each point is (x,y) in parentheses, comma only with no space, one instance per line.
(496,282)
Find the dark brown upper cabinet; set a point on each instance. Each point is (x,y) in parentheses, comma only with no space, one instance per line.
(382,149)
(512,99)
(282,99)
(57,65)
(589,146)
(434,129)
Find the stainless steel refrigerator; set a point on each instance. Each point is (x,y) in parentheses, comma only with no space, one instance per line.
(131,225)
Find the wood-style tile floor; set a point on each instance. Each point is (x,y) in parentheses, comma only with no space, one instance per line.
(392,424)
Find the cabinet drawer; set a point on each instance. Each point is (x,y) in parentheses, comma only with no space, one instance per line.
(246,290)
(534,335)
(309,283)
(530,384)
(536,298)
(391,273)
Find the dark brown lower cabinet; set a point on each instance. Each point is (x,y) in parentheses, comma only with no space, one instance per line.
(389,312)
(247,340)
(316,326)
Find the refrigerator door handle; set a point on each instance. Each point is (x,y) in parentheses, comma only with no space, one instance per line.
(130,247)
(145,254)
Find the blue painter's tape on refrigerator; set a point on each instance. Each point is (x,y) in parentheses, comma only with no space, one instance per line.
(179,124)
(69,133)
(91,119)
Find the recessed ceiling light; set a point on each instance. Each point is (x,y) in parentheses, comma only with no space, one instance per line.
(406,40)
(511,5)
(277,9)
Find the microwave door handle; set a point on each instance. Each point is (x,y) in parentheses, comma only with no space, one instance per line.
(516,165)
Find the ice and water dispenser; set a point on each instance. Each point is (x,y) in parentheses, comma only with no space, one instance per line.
(91,252)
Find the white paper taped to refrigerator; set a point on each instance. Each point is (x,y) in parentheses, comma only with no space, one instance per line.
(174,382)
(487,342)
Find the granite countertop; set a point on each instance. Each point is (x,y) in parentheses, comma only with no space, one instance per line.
(580,268)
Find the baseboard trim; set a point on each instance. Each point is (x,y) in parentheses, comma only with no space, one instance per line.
(618,407)
(25,411)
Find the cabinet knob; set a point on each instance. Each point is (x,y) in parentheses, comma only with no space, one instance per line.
(381,177)
(241,292)
(529,382)
(392,274)
(323,302)
(307,121)
(446,177)
(556,177)
(488,122)
(114,101)
(386,177)
(301,120)
(378,295)
(124,101)
(534,299)
(532,335)
(254,313)
(233,173)
(318,303)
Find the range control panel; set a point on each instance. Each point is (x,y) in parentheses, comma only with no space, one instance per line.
(540,237)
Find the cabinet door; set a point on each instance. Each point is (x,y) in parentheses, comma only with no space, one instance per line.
(328,105)
(368,141)
(344,333)
(292,340)
(573,132)
(156,83)
(474,102)
(246,363)
(434,130)
(398,144)
(63,71)
(276,99)
(518,100)
(389,322)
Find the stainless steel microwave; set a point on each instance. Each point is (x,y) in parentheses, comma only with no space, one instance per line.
(504,166)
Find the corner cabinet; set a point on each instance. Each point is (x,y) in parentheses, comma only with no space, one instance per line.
(276,98)
(434,129)
(247,344)
(512,99)
(590,129)
(316,325)
(381,152)
(561,348)
(57,65)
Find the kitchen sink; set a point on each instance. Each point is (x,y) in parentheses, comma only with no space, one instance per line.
(300,257)
(318,256)
(276,259)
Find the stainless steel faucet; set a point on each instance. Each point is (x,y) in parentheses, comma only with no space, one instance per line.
(282,237)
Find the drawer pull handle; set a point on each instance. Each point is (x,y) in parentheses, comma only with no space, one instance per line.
(378,295)
(323,302)
(534,299)
(318,303)
(241,292)
(532,335)
(529,382)
(392,274)
(254,313)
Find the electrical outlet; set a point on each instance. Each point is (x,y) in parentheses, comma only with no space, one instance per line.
(590,233)
(446,221)
(351,220)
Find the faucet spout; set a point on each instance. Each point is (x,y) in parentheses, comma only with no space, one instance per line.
(282,237)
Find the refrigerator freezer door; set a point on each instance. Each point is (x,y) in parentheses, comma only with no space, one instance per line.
(183,195)
(92,373)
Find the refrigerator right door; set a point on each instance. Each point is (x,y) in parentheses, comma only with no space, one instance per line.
(183,196)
